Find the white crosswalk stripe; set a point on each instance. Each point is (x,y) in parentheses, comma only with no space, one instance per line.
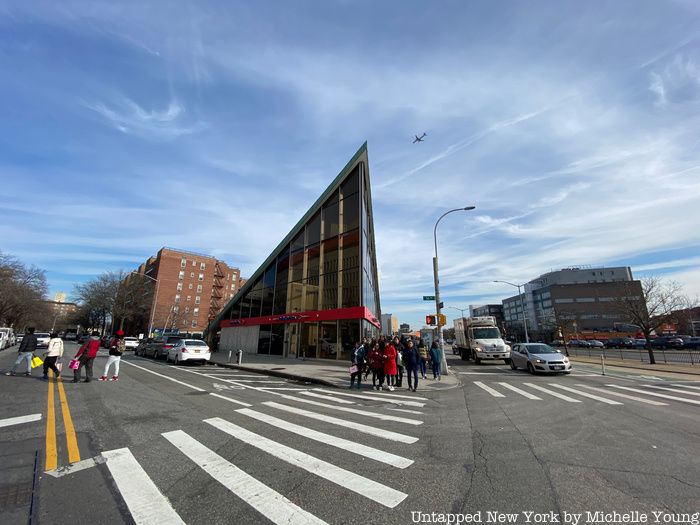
(381,395)
(586,394)
(494,393)
(271,504)
(624,396)
(674,390)
(10,421)
(656,394)
(145,502)
(395,401)
(369,488)
(327,398)
(366,429)
(552,393)
(689,386)
(521,392)
(345,444)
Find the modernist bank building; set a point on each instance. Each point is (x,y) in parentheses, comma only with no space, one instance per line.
(317,293)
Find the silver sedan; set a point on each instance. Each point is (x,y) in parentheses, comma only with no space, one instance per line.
(538,357)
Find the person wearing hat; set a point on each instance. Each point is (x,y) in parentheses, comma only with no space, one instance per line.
(116,349)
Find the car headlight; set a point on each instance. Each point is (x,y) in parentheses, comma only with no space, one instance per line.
(566,359)
(507,348)
(478,349)
(540,361)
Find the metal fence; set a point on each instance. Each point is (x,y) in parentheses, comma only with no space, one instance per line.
(640,355)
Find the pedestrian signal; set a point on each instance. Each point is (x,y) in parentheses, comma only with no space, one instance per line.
(430,320)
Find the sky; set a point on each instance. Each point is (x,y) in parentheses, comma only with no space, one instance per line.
(212,126)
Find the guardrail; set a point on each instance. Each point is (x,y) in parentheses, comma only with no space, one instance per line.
(640,354)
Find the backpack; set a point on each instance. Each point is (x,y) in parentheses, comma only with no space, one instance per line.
(118,349)
(360,356)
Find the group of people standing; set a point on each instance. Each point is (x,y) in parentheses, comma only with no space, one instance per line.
(388,359)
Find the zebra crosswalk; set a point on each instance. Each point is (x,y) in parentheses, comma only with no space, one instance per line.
(273,428)
(608,394)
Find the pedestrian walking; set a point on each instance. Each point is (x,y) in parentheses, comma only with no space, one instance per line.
(116,349)
(435,359)
(52,356)
(423,358)
(25,352)
(410,361)
(86,354)
(358,364)
(399,346)
(376,363)
(389,354)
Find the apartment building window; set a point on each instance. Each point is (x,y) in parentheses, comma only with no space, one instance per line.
(194,324)
(181,275)
(202,266)
(197,300)
(189,297)
(201,276)
(177,298)
(191,274)
(194,263)
(233,286)
(183,263)
(176,309)
(179,287)
(195,312)
(187,309)
(199,288)
(190,286)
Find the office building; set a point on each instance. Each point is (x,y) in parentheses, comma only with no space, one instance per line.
(316,294)
(390,324)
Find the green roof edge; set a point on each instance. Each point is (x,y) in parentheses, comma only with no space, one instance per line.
(313,209)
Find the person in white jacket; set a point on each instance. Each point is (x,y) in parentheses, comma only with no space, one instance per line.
(53,354)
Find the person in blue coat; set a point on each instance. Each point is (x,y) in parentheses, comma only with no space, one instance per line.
(435,359)
(411,358)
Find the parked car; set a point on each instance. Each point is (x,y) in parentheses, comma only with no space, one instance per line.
(539,357)
(579,343)
(42,339)
(19,338)
(692,343)
(189,350)
(141,347)
(594,343)
(130,343)
(665,342)
(159,348)
(620,342)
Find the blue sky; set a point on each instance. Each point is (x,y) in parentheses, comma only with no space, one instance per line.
(574,127)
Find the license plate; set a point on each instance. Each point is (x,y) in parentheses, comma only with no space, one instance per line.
(558,368)
(196,351)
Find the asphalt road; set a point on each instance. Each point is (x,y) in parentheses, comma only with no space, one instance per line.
(206,445)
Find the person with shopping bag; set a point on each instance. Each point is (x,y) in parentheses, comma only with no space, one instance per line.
(116,349)
(86,356)
(25,352)
(52,355)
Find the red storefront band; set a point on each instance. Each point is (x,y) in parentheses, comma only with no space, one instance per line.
(355,312)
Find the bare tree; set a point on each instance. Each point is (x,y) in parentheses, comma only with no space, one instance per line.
(22,292)
(657,306)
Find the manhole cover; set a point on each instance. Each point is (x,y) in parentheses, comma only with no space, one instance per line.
(15,495)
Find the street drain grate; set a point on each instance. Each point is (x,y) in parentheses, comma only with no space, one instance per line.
(15,495)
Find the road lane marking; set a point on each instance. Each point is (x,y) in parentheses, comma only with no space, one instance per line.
(145,502)
(276,381)
(494,393)
(407,411)
(383,394)
(674,390)
(333,441)
(229,399)
(71,439)
(366,487)
(625,396)
(688,386)
(521,392)
(655,394)
(365,429)
(327,398)
(551,393)
(8,422)
(271,504)
(586,394)
(166,377)
(51,455)
(357,411)
(384,399)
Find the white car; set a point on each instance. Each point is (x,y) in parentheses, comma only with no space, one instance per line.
(189,350)
(42,339)
(130,343)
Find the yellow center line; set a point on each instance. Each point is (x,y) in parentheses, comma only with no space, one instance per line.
(71,440)
(51,460)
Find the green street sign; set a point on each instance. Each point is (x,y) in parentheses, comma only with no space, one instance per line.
(428,297)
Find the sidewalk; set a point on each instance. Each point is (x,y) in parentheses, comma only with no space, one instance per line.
(318,371)
(658,367)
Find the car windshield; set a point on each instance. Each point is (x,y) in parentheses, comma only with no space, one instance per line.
(486,333)
(541,349)
(43,334)
(195,342)
(174,339)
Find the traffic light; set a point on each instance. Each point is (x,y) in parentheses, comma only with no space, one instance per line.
(430,320)
(443,321)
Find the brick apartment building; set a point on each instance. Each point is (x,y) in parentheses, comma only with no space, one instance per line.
(190,291)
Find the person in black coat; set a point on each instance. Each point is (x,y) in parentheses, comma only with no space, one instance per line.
(25,352)
(411,359)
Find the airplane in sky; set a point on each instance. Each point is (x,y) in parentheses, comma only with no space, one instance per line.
(420,139)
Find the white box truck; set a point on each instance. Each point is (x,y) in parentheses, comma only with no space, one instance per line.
(480,339)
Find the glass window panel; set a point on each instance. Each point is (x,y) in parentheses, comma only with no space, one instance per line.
(311,294)
(235,311)
(330,255)
(349,335)
(330,291)
(328,342)
(280,306)
(277,339)
(331,222)
(351,250)
(264,339)
(295,296)
(351,212)
(309,339)
(351,184)
(245,306)
(298,242)
(269,278)
(256,299)
(351,288)
(313,230)
(364,250)
(313,261)
(268,295)
(296,266)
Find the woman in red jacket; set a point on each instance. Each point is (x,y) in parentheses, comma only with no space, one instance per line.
(389,353)
(86,355)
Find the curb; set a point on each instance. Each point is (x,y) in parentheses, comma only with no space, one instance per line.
(646,368)
(277,373)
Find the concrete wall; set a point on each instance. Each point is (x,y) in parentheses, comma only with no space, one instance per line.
(240,337)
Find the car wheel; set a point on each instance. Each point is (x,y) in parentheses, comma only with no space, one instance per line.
(530,368)
(177,360)
(477,361)
(567,373)
(512,365)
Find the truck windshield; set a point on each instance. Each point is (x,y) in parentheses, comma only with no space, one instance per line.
(486,333)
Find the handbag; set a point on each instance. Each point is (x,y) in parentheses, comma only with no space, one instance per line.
(36,361)
(354,369)
(59,366)
(74,364)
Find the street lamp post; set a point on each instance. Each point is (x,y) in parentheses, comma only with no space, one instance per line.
(437,282)
(155,300)
(522,306)
(461,310)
